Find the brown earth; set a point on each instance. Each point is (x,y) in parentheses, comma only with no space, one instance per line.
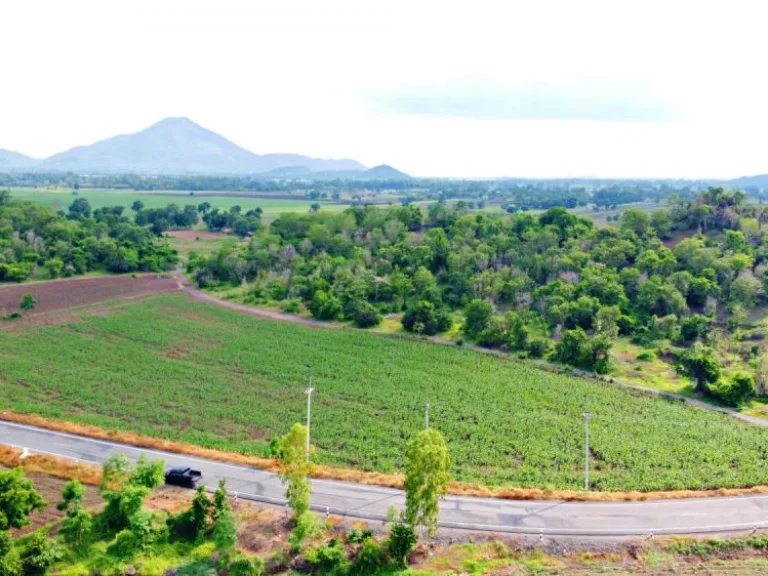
(196,234)
(63,294)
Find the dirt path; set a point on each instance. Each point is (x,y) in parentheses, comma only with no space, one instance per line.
(185,284)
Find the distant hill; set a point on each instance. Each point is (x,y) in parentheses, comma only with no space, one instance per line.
(14,161)
(384,172)
(757,181)
(172,146)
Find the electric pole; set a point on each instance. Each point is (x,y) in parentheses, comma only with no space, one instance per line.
(426,417)
(308,391)
(587,416)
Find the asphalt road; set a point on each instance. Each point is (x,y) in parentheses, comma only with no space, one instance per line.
(556,518)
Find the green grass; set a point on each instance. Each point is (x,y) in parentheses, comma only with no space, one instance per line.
(61,198)
(178,368)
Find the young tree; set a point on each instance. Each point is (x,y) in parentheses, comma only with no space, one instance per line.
(199,511)
(224,520)
(18,499)
(76,527)
(427,473)
(700,365)
(478,313)
(294,470)
(28,302)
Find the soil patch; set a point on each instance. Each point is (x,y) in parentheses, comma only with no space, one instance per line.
(63,294)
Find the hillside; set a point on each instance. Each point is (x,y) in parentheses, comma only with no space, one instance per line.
(171,146)
(384,172)
(10,160)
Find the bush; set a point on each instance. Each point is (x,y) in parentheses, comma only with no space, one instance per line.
(254,566)
(537,347)
(647,356)
(370,560)
(424,318)
(329,559)
(359,535)
(306,526)
(401,542)
(365,315)
(325,306)
(38,554)
(735,391)
(291,306)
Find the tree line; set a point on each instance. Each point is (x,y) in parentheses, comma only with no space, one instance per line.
(551,284)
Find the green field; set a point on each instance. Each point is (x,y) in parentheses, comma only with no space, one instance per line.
(61,198)
(177,368)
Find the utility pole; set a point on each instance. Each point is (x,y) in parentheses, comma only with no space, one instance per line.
(308,391)
(587,416)
(426,417)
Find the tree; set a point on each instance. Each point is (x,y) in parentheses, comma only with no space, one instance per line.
(137,206)
(199,511)
(294,469)
(424,318)
(18,499)
(477,315)
(700,365)
(324,306)
(314,207)
(38,554)
(28,302)
(427,473)
(736,390)
(79,209)
(401,542)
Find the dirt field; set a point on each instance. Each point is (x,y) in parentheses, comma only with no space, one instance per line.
(63,294)
(50,489)
(197,235)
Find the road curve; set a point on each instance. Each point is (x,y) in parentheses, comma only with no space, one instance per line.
(553,518)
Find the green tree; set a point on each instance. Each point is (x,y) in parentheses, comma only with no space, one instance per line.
(401,542)
(28,302)
(38,554)
(295,468)
(18,499)
(427,473)
(199,511)
(77,526)
(700,365)
(137,206)
(477,315)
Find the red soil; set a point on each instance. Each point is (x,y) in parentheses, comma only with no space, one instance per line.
(63,294)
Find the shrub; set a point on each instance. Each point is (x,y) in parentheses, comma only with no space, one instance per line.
(365,315)
(38,554)
(329,559)
(324,306)
(370,560)
(306,526)
(736,390)
(537,347)
(254,566)
(401,542)
(291,306)
(424,318)
(647,356)
(359,535)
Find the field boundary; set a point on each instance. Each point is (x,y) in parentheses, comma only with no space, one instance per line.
(322,472)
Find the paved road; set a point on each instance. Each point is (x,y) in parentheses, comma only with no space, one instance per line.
(706,515)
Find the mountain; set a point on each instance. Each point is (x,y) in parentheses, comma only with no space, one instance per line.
(172,146)
(14,161)
(384,172)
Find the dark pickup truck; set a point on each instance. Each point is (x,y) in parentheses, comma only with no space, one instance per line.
(181,476)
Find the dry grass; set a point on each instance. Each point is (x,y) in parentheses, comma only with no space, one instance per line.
(92,475)
(51,465)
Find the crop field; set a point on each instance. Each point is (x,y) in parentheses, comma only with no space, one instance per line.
(172,367)
(61,198)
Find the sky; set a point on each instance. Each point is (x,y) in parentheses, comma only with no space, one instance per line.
(435,88)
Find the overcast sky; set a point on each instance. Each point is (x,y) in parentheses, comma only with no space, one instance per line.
(472,88)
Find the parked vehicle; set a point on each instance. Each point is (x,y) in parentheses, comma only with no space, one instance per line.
(182,476)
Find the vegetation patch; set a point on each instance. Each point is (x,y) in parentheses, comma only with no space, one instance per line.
(241,380)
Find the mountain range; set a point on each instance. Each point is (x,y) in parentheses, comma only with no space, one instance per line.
(176,146)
